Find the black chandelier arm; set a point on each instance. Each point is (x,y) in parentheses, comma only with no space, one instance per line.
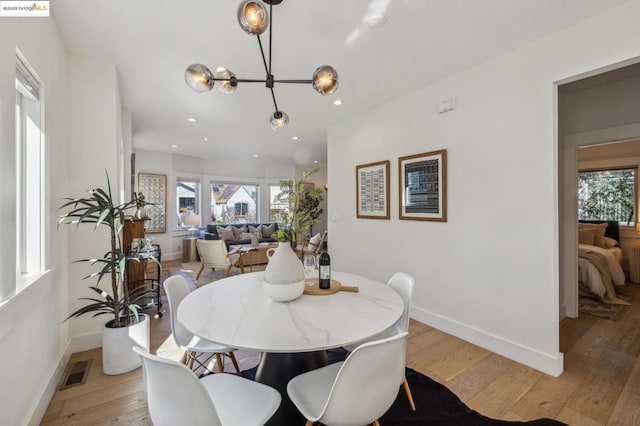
(241,80)
(264,60)
(273,96)
(293,81)
(270,43)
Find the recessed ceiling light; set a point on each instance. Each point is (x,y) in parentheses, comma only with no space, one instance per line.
(315,161)
(256,155)
(174,146)
(205,139)
(337,102)
(191,120)
(295,138)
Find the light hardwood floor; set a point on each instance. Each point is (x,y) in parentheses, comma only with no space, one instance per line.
(600,384)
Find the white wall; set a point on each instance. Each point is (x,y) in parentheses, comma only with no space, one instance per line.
(94,141)
(490,274)
(34,340)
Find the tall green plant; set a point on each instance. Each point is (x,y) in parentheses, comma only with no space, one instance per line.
(304,209)
(99,209)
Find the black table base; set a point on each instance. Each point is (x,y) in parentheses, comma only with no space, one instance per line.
(276,369)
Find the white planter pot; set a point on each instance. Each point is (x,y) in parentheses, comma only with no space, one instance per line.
(117,355)
(284,274)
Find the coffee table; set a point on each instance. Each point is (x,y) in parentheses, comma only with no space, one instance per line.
(251,255)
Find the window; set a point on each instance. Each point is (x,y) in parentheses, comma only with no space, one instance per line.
(607,195)
(29,173)
(187,198)
(234,202)
(278,205)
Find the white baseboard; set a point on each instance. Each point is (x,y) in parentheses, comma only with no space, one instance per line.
(42,400)
(86,342)
(547,363)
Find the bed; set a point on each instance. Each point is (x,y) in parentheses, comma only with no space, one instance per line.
(599,259)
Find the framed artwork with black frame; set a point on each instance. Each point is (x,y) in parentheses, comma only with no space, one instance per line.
(372,190)
(422,181)
(154,189)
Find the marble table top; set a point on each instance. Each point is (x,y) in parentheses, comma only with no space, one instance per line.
(235,312)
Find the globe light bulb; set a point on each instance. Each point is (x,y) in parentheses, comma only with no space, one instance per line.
(229,85)
(279,120)
(253,17)
(325,80)
(199,78)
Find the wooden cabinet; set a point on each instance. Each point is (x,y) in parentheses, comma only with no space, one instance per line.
(133,228)
(137,275)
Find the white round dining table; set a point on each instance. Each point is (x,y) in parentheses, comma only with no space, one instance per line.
(236,312)
(292,336)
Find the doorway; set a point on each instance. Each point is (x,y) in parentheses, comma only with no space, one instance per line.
(597,110)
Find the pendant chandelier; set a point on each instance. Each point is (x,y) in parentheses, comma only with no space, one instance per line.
(254,20)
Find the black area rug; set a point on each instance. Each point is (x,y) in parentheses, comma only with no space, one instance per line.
(435,404)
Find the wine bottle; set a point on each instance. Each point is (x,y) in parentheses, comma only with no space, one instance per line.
(324,266)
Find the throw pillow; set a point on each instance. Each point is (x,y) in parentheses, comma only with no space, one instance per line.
(610,242)
(267,231)
(314,242)
(225,233)
(246,236)
(256,230)
(598,238)
(237,232)
(586,236)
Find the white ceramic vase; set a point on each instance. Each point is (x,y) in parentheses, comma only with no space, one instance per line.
(117,355)
(283,279)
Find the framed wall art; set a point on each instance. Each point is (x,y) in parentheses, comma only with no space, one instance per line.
(422,180)
(154,189)
(372,190)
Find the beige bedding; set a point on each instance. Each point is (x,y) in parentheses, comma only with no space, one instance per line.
(599,270)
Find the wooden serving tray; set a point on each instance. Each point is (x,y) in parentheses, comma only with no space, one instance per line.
(334,287)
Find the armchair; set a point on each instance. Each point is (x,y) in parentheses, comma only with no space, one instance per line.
(213,254)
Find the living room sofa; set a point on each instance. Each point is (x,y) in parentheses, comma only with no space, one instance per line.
(266,232)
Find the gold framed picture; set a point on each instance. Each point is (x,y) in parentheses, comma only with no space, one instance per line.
(372,190)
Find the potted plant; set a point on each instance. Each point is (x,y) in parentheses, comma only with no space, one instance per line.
(304,208)
(127,326)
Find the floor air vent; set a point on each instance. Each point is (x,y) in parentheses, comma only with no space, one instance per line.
(76,374)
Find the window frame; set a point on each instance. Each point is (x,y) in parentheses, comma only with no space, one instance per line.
(635,168)
(239,183)
(30,175)
(197,197)
(271,203)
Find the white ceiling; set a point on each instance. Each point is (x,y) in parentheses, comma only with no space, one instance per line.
(152,42)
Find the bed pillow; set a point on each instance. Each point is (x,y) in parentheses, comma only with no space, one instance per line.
(225,233)
(598,238)
(586,236)
(610,242)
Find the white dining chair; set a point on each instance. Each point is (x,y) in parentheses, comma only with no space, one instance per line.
(357,391)
(403,284)
(177,288)
(175,396)
(213,254)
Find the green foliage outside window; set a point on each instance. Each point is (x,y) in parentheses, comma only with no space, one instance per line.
(607,195)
